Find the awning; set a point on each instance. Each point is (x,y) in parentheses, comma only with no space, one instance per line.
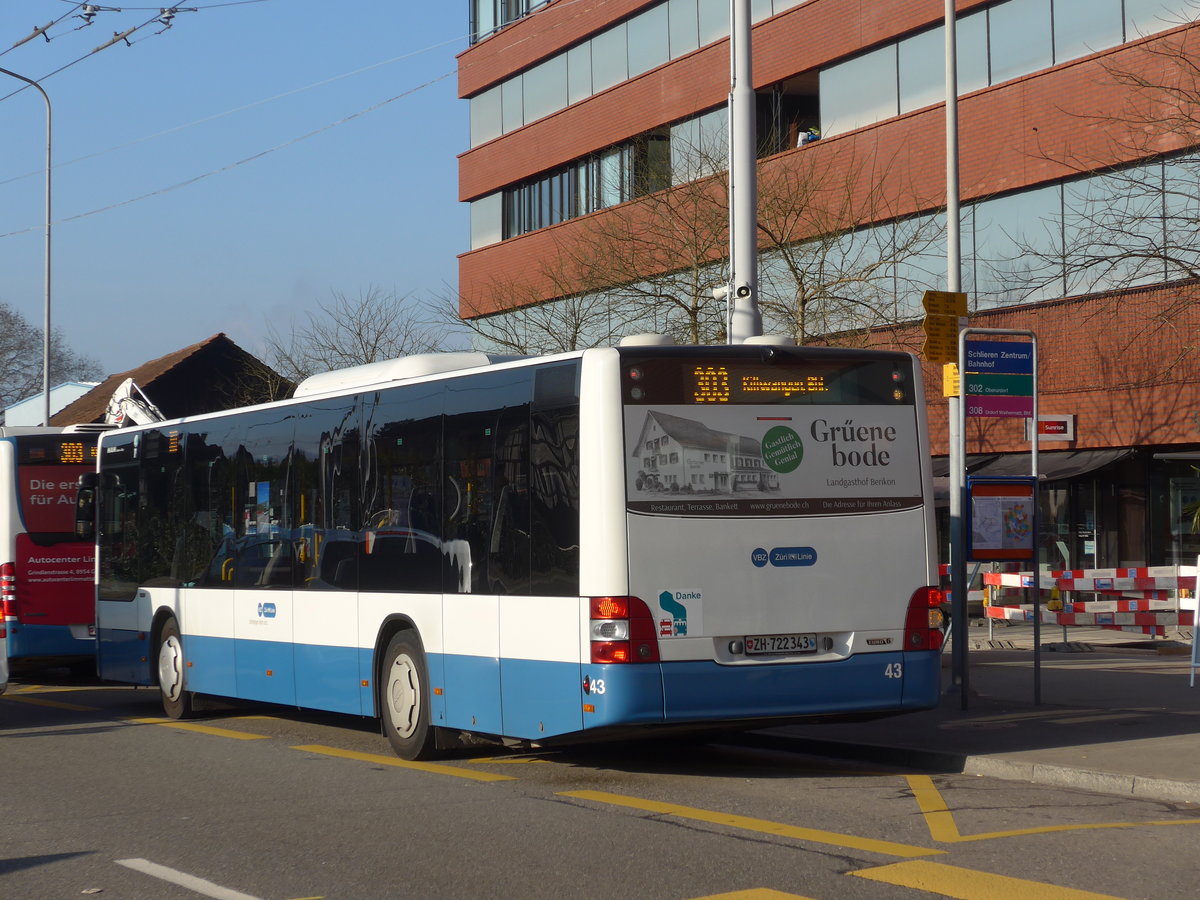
(941,464)
(1054,465)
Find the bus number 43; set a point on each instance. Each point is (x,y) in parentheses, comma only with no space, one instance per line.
(893,670)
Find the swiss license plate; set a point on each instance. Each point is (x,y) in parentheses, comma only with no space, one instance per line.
(758,644)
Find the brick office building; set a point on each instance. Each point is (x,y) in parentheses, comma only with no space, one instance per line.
(1078,184)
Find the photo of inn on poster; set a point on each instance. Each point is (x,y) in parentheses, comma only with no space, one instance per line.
(754,461)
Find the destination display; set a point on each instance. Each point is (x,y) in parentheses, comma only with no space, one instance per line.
(52,450)
(787,380)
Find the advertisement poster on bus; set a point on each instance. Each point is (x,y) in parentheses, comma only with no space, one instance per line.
(48,497)
(764,461)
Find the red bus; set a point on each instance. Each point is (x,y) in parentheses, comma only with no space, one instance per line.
(46,572)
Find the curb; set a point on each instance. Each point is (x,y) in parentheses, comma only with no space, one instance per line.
(1136,786)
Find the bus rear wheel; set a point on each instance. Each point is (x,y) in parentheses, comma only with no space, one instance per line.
(404,698)
(176,699)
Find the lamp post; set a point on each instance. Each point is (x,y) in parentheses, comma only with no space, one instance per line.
(46,319)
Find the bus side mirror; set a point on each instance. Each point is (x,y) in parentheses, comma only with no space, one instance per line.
(85,506)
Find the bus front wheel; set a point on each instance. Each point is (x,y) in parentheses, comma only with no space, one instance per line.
(404,699)
(176,699)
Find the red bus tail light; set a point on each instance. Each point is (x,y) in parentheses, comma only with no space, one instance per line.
(622,631)
(923,624)
(8,590)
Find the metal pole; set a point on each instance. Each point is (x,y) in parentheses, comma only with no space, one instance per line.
(955,419)
(744,317)
(46,312)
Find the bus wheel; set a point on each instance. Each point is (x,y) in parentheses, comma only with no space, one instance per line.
(404,701)
(176,700)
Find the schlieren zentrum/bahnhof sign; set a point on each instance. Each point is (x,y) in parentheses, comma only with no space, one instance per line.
(999,379)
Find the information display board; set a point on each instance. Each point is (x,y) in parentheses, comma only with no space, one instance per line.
(1002,519)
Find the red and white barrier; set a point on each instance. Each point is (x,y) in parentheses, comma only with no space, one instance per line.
(1142,600)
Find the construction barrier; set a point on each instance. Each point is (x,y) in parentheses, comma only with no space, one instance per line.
(1145,600)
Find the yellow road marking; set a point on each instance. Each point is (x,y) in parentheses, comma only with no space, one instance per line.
(966,884)
(888,848)
(754,894)
(937,815)
(55,704)
(944,830)
(64,688)
(404,763)
(508,760)
(201,729)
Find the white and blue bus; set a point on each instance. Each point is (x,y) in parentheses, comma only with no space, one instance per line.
(588,545)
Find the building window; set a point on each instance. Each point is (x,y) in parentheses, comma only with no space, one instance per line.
(1085,26)
(1019,37)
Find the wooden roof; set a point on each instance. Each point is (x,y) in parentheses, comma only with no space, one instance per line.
(212,375)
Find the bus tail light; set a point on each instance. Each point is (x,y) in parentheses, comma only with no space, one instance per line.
(622,631)
(8,590)
(923,624)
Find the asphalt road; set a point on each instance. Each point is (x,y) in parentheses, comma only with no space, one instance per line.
(102,796)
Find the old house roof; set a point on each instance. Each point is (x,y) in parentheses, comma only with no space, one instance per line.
(212,375)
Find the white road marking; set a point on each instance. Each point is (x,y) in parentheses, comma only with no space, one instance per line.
(191,882)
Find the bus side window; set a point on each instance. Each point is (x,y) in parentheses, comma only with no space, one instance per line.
(554,482)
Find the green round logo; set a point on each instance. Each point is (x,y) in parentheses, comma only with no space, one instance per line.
(782,449)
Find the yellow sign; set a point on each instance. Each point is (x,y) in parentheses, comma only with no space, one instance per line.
(945,303)
(951,384)
(945,317)
(941,338)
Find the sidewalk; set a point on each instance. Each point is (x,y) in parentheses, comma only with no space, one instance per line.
(1116,716)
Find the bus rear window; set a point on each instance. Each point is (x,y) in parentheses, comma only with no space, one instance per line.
(48,470)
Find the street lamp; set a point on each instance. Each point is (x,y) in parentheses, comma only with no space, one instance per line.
(46,322)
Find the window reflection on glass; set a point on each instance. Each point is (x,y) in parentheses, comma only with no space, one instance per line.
(1020,38)
(923,69)
(609,58)
(1182,236)
(512,109)
(579,72)
(649,45)
(486,220)
(545,88)
(859,91)
(486,121)
(1018,247)
(713,19)
(972,52)
(1143,17)
(684,30)
(1113,230)
(1085,26)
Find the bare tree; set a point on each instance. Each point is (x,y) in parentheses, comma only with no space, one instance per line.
(1133,221)
(533,326)
(21,359)
(652,264)
(837,246)
(348,331)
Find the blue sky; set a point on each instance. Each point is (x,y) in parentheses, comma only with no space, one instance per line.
(370,202)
